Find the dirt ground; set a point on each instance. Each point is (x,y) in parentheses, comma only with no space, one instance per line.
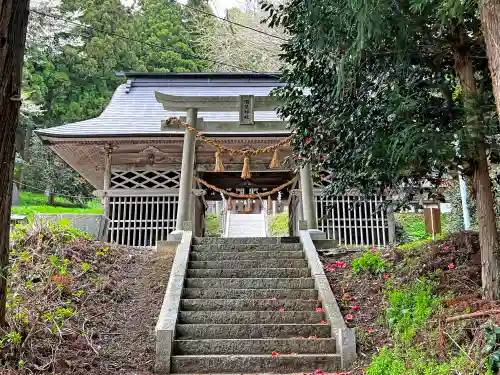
(361,297)
(122,332)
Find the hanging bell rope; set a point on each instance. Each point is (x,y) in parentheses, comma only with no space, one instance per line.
(244,196)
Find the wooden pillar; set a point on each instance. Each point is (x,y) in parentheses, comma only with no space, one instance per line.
(106,179)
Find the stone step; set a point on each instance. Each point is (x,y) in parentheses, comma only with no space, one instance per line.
(237,242)
(234,247)
(256,363)
(239,293)
(249,273)
(250,283)
(254,346)
(251,331)
(250,317)
(240,255)
(249,304)
(254,263)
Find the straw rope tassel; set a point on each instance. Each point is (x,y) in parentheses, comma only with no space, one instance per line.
(245,173)
(275,161)
(219,166)
(269,204)
(230,203)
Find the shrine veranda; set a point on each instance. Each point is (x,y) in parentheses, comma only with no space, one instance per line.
(147,169)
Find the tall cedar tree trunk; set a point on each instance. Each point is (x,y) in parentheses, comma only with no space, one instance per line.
(481,178)
(490,20)
(13,25)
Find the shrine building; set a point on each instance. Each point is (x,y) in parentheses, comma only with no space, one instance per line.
(168,143)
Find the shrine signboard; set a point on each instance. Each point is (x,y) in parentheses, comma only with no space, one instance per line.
(247,104)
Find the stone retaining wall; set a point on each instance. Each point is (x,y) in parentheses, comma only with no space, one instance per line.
(87,223)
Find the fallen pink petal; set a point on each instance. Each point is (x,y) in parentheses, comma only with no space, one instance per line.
(348,317)
(323,322)
(282,310)
(386,275)
(275,354)
(319,309)
(451,266)
(318,372)
(355,308)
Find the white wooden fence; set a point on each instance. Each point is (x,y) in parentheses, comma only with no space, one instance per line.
(352,220)
(143,206)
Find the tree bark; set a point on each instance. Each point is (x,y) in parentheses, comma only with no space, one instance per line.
(13,24)
(26,154)
(476,153)
(490,21)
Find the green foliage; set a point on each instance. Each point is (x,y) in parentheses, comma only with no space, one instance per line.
(409,308)
(51,268)
(379,109)
(415,244)
(418,361)
(369,262)
(74,81)
(278,225)
(47,170)
(414,225)
(58,317)
(36,203)
(212,225)
(492,345)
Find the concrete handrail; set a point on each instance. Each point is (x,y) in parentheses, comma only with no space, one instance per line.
(165,326)
(345,337)
(226,224)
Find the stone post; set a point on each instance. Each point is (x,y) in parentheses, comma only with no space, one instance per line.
(391,222)
(306,187)
(308,204)
(187,170)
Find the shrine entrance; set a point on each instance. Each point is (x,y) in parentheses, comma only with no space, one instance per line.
(169,142)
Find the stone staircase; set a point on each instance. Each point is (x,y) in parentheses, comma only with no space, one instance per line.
(246,225)
(230,321)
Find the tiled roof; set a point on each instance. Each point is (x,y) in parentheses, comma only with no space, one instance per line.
(133,109)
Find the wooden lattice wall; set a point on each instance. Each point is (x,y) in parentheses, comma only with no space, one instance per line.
(143,207)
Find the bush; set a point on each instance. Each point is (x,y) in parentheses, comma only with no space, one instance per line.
(409,308)
(417,361)
(369,262)
(278,225)
(50,275)
(212,225)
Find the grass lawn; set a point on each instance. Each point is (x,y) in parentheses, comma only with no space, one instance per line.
(36,203)
(212,225)
(413,224)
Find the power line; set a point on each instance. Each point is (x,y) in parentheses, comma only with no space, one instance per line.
(193,56)
(229,21)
